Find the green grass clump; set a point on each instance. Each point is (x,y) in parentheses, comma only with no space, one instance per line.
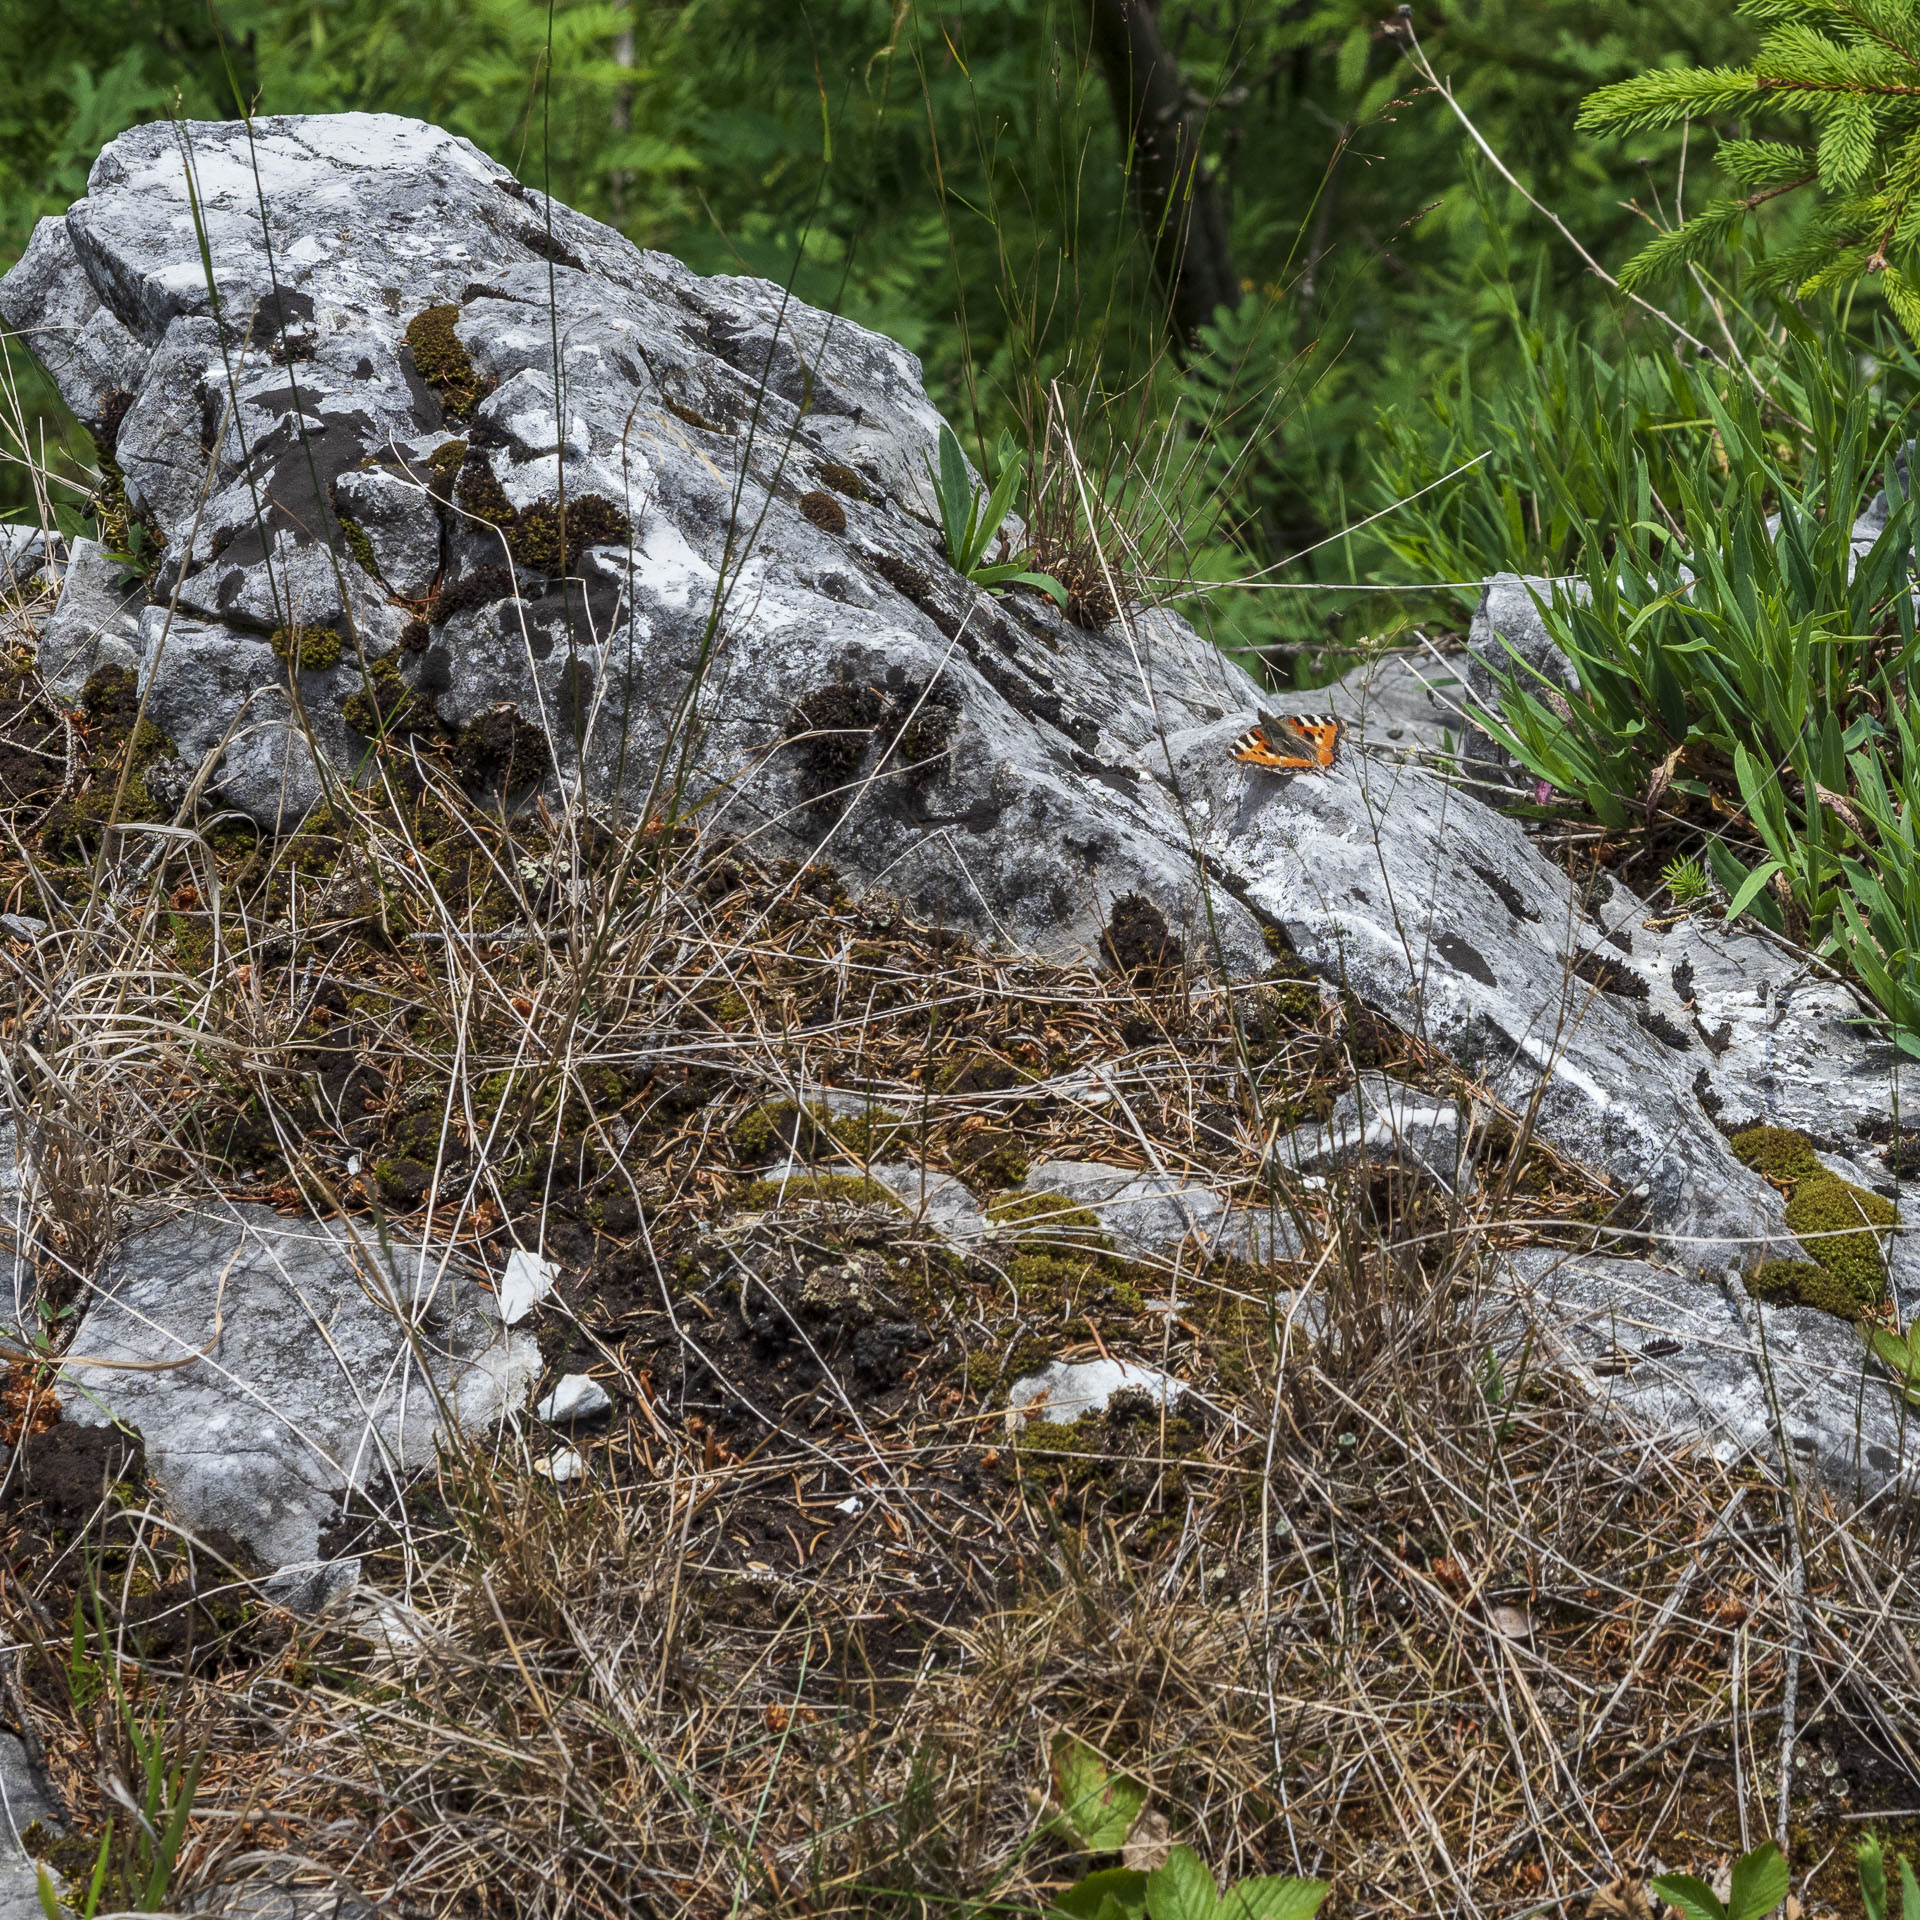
(308,649)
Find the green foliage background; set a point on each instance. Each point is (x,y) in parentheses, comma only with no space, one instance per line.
(953,176)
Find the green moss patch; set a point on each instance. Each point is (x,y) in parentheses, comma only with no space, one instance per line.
(308,649)
(1778,1152)
(118,744)
(1036,1219)
(1832,1218)
(1800,1283)
(444,363)
(357,543)
(848,1190)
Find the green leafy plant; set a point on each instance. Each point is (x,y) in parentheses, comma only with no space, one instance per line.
(969,520)
(1871,1861)
(1734,649)
(1848,67)
(1099,1809)
(133,1867)
(1758,1885)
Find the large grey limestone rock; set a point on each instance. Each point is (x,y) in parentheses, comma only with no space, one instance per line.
(270,1364)
(1702,1362)
(1000,769)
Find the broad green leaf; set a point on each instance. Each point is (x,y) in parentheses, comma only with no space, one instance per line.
(1120,1891)
(1693,1897)
(1759,1883)
(1182,1888)
(1273,1898)
(1099,1804)
(1750,886)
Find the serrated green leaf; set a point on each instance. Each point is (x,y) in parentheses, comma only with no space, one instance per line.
(1272,1898)
(1182,1888)
(1694,1898)
(1114,1893)
(1758,1885)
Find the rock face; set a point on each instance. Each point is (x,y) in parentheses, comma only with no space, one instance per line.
(270,1365)
(358,444)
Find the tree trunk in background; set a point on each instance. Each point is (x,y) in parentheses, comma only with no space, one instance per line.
(1185,222)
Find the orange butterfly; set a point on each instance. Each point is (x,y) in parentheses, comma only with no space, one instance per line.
(1291,742)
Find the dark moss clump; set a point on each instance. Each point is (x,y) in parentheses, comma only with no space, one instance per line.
(403,1182)
(500,749)
(925,721)
(480,493)
(534,533)
(834,726)
(843,479)
(416,637)
(1800,1283)
(824,511)
(385,705)
(978,1073)
(480,588)
(903,576)
(443,363)
(1602,970)
(1124,1460)
(992,1160)
(443,471)
(119,743)
(590,521)
(1138,943)
(308,649)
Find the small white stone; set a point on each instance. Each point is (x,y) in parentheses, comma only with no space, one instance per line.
(562,1466)
(1067,1389)
(527,1281)
(850,1505)
(579,1396)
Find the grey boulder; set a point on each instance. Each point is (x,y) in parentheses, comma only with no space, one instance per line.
(271,1365)
(842,692)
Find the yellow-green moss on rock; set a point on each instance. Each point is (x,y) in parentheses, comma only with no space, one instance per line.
(1778,1152)
(1834,1221)
(1838,1223)
(308,649)
(444,363)
(1801,1283)
(846,1189)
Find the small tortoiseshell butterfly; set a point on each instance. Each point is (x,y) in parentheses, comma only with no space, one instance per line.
(1291,742)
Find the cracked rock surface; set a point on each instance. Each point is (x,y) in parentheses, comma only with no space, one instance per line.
(269,1366)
